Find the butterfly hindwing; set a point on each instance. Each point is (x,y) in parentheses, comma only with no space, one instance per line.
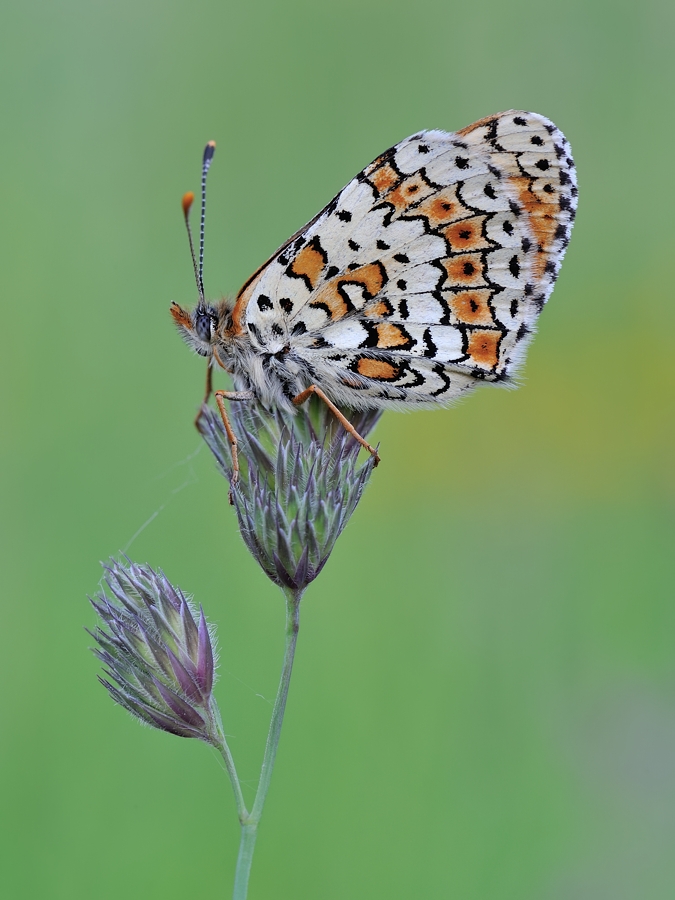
(426,274)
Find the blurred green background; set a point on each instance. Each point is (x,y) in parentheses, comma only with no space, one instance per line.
(484,699)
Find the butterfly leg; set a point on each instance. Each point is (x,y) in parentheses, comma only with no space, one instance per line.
(344,421)
(207,393)
(220,400)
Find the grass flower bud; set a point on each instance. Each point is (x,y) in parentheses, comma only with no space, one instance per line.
(157,653)
(300,482)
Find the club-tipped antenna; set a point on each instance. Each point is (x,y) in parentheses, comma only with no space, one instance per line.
(209,150)
(188,200)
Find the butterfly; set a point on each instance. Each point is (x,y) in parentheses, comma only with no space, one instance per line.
(422,279)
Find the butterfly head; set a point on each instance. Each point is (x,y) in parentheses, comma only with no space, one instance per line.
(199,327)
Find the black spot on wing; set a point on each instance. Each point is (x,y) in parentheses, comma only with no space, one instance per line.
(430,349)
(491,133)
(443,375)
(315,244)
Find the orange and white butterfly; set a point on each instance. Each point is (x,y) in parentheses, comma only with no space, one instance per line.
(420,280)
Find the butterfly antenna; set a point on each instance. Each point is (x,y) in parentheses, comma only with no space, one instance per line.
(188,200)
(209,150)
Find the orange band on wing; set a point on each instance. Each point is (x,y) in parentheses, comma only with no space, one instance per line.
(464,271)
(370,277)
(542,218)
(487,120)
(483,347)
(376,368)
(409,191)
(384,178)
(443,207)
(390,336)
(243,297)
(467,235)
(472,307)
(309,263)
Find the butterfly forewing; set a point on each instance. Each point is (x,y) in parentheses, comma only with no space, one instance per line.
(426,274)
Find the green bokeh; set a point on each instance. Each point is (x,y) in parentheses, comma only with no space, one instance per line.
(484,700)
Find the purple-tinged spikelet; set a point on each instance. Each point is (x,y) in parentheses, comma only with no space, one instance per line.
(300,482)
(159,662)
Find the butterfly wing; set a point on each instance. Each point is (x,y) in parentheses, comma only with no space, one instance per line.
(426,274)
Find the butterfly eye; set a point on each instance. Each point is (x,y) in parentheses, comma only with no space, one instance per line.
(204,325)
